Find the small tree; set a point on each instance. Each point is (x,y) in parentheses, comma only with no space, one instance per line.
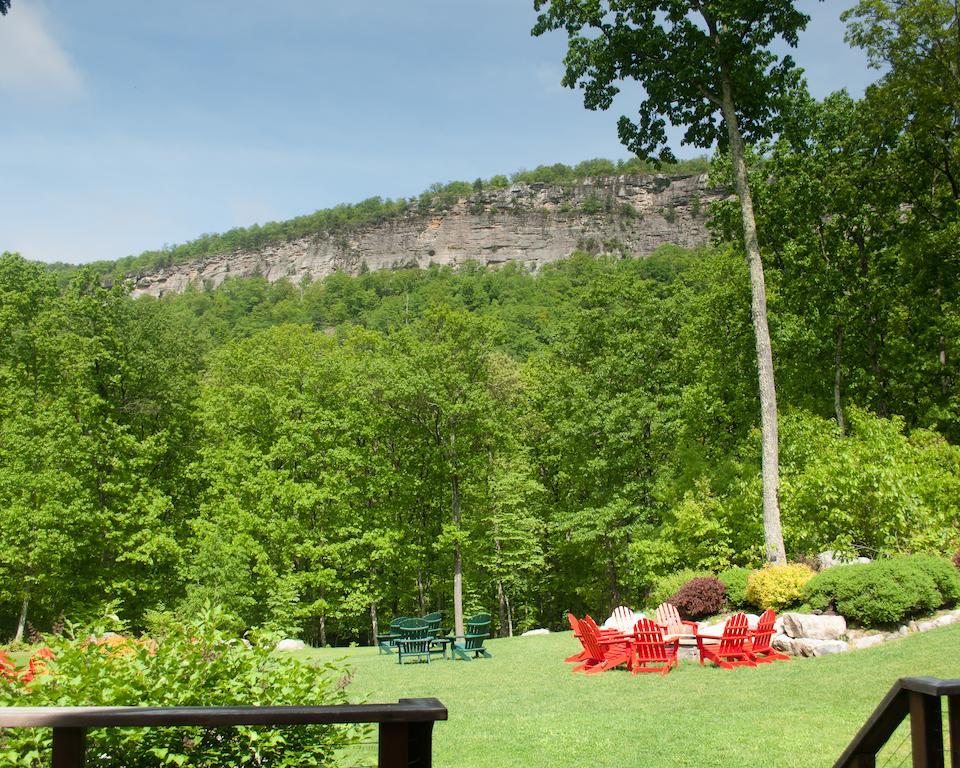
(705,65)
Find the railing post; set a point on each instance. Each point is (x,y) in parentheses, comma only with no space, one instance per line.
(953,718)
(420,745)
(926,730)
(69,747)
(392,751)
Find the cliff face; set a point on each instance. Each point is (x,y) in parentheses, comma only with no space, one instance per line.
(531,224)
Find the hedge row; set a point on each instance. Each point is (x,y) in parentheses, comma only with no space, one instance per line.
(880,593)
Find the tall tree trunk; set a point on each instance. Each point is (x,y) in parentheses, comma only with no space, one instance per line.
(457,561)
(838,380)
(457,558)
(323,631)
(373,623)
(506,620)
(506,613)
(942,347)
(420,599)
(772,531)
(22,621)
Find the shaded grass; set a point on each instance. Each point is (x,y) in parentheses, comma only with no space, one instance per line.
(524,707)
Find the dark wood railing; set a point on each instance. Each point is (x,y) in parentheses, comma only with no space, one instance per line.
(406,728)
(920,698)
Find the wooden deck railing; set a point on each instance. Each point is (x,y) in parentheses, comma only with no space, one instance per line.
(920,698)
(406,728)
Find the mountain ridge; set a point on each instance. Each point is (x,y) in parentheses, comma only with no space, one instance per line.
(527,223)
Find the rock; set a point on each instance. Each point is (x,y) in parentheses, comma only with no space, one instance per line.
(778,625)
(533,632)
(912,626)
(936,623)
(782,643)
(752,620)
(830,558)
(526,224)
(816,627)
(830,647)
(903,631)
(711,629)
(805,646)
(290,644)
(868,641)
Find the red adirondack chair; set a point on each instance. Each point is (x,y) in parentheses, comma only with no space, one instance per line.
(760,648)
(668,618)
(733,648)
(603,653)
(575,626)
(649,648)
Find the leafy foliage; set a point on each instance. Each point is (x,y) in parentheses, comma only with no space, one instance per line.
(700,597)
(885,591)
(777,586)
(666,586)
(191,664)
(735,582)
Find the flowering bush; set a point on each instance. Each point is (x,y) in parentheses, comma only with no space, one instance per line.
(778,586)
(193,664)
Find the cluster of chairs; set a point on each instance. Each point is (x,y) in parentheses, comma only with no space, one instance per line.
(422,638)
(653,646)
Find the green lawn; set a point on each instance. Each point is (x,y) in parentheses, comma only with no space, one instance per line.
(524,707)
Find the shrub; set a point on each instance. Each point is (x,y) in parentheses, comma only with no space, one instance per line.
(886,591)
(735,583)
(778,586)
(188,665)
(700,597)
(944,575)
(667,586)
(956,559)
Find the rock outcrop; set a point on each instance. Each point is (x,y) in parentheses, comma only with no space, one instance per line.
(527,224)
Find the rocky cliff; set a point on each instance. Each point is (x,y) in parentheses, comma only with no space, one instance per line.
(530,224)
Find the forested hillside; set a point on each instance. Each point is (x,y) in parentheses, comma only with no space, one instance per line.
(315,457)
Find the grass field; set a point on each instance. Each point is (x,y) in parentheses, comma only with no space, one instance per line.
(524,707)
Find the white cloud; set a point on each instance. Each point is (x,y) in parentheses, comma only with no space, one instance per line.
(32,63)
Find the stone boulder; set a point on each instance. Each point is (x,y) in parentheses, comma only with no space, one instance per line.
(782,643)
(534,632)
(816,627)
(868,641)
(289,644)
(830,558)
(830,647)
(811,646)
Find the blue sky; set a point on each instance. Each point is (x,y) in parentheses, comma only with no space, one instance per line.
(128,125)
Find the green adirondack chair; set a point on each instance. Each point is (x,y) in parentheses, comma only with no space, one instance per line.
(477,630)
(433,619)
(414,641)
(440,641)
(385,642)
